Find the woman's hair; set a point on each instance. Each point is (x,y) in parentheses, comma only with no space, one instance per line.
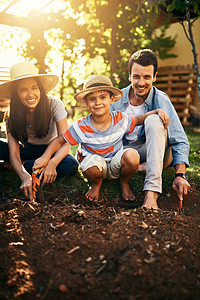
(17,122)
(144,58)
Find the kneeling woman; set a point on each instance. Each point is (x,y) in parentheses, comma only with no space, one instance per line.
(34,120)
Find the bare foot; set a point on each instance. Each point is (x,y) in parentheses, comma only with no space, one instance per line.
(93,192)
(127,193)
(142,168)
(150,200)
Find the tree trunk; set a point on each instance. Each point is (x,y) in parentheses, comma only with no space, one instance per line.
(194,54)
(113,53)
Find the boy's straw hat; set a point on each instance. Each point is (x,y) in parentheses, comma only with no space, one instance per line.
(95,83)
(23,70)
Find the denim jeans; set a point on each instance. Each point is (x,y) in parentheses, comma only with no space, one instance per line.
(29,153)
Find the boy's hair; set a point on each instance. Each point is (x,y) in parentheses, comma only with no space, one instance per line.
(144,58)
(111,94)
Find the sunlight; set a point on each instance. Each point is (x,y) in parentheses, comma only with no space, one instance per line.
(33,4)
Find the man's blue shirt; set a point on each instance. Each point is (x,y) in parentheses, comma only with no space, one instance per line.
(176,135)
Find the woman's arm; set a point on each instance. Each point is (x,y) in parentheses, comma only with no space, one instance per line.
(18,167)
(47,165)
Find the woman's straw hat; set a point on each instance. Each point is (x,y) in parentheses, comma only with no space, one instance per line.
(95,83)
(23,70)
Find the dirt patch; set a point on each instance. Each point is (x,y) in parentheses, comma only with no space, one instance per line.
(64,247)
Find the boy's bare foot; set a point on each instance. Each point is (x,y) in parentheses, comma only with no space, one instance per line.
(127,194)
(142,168)
(93,192)
(150,200)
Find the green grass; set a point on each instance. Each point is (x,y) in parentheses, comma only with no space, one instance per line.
(10,183)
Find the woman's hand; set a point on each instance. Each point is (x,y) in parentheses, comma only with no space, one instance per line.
(40,164)
(164,117)
(26,187)
(49,174)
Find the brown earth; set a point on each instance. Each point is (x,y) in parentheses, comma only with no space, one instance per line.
(65,247)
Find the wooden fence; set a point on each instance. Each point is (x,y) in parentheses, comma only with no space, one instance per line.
(179,84)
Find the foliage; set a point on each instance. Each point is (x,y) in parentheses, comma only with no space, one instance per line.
(181,11)
(79,38)
(118,28)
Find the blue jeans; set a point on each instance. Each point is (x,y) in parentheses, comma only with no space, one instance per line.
(29,153)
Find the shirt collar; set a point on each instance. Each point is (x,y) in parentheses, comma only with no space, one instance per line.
(149,97)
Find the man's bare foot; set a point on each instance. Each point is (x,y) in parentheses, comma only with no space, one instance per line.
(127,194)
(93,192)
(150,200)
(142,168)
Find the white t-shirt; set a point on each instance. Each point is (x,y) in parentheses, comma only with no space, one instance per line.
(58,113)
(134,111)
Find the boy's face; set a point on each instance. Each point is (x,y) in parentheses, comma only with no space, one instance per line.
(99,102)
(142,78)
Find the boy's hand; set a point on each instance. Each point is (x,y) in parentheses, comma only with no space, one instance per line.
(164,117)
(79,156)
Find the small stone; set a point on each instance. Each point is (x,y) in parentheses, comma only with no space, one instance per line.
(63,288)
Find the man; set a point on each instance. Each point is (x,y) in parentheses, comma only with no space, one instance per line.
(157,147)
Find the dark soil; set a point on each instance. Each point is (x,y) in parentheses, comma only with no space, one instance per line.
(65,247)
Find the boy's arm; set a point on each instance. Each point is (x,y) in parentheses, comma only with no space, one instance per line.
(161,113)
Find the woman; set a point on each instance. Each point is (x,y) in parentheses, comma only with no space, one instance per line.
(34,120)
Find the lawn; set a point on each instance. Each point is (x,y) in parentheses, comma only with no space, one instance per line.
(10,182)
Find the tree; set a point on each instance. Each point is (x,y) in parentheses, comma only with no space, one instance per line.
(117,28)
(182,10)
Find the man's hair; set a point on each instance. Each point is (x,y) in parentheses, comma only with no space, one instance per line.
(144,58)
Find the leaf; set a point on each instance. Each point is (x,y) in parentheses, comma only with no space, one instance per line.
(150,260)
(170,7)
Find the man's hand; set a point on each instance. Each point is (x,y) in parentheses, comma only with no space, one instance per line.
(181,186)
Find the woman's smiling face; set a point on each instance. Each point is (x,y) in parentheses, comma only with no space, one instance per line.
(29,92)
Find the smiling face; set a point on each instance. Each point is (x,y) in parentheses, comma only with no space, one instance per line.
(142,78)
(99,102)
(29,92)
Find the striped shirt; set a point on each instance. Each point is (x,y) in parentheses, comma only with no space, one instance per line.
(103,143)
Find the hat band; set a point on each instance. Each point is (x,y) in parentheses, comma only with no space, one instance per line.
(97,84)
(20,76)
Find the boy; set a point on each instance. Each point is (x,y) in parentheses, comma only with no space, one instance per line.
(100,136)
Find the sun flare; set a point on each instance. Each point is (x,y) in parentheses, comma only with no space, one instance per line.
(34,4)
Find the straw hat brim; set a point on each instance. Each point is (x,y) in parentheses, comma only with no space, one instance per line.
(48,81)
(79,97)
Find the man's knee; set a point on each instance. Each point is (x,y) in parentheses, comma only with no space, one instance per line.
(153,122)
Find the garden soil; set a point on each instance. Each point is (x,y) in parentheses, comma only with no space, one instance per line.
(66,247)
